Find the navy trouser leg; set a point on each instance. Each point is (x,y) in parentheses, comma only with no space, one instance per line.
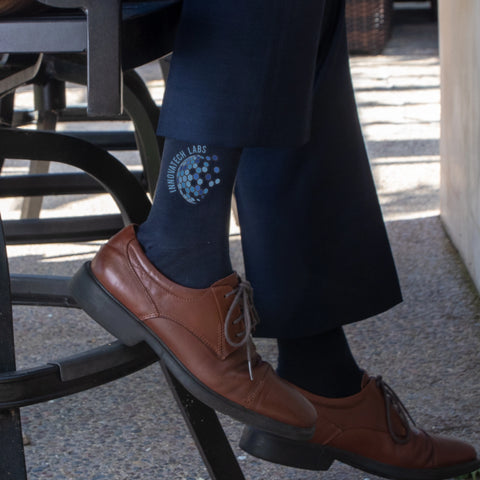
(242,73)
(314,240)
(275,74)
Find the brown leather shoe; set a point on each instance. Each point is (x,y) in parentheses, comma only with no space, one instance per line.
(369,431)
(203,335)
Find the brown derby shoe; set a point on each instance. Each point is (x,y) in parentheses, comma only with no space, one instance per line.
(202,335)
(369,431)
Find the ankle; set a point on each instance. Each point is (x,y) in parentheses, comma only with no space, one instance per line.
(321,364)
(186,233)
(196,266)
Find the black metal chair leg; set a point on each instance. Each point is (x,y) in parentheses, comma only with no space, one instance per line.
(6,116)
(202,421)
(139,105)
(207,432)
(47,146)
(12,457)
(49,99)
(144,114)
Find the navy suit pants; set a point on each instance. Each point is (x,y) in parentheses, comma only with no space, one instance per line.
(272,76)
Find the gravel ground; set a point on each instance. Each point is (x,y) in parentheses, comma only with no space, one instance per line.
(428,347)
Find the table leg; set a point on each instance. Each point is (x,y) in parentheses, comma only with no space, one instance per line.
(207,432)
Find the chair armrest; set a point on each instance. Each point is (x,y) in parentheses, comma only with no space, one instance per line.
(104,22)
(60,3)
(84,4)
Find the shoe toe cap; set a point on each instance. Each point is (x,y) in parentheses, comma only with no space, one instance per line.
(449,452)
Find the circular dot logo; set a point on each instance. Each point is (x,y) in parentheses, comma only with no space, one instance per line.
(196,176)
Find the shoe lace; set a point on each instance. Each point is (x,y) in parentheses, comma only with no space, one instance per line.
(243,297)
(392,402)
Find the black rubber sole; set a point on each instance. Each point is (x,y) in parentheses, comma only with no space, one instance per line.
(309,456)
(120,322)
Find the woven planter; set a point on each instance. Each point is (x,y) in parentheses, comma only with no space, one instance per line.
(369,24)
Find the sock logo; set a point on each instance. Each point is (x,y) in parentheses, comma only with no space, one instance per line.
(193,173)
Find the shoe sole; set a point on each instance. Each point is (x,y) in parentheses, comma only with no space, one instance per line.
(112,315)
(309,456)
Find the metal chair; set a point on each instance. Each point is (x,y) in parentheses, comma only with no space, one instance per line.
(97,60)
(24,36)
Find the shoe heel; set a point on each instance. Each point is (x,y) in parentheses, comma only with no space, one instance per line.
(284,451)
(103,308)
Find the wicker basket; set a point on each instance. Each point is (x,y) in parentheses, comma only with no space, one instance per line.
(369,25)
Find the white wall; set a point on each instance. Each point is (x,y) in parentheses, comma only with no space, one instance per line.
(460,127)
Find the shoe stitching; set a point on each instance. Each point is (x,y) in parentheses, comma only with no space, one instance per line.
(117,251)
(243,292)
(257,388)
(179,323)
(222,351)
(158,314)
(391,402)
(336,430)
(130,264)
(158,282)
(243,299)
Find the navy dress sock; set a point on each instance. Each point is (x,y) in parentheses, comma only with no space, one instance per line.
(187,231)
(322,364)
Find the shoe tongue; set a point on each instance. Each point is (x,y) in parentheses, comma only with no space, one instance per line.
(231,281)
(365,380)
